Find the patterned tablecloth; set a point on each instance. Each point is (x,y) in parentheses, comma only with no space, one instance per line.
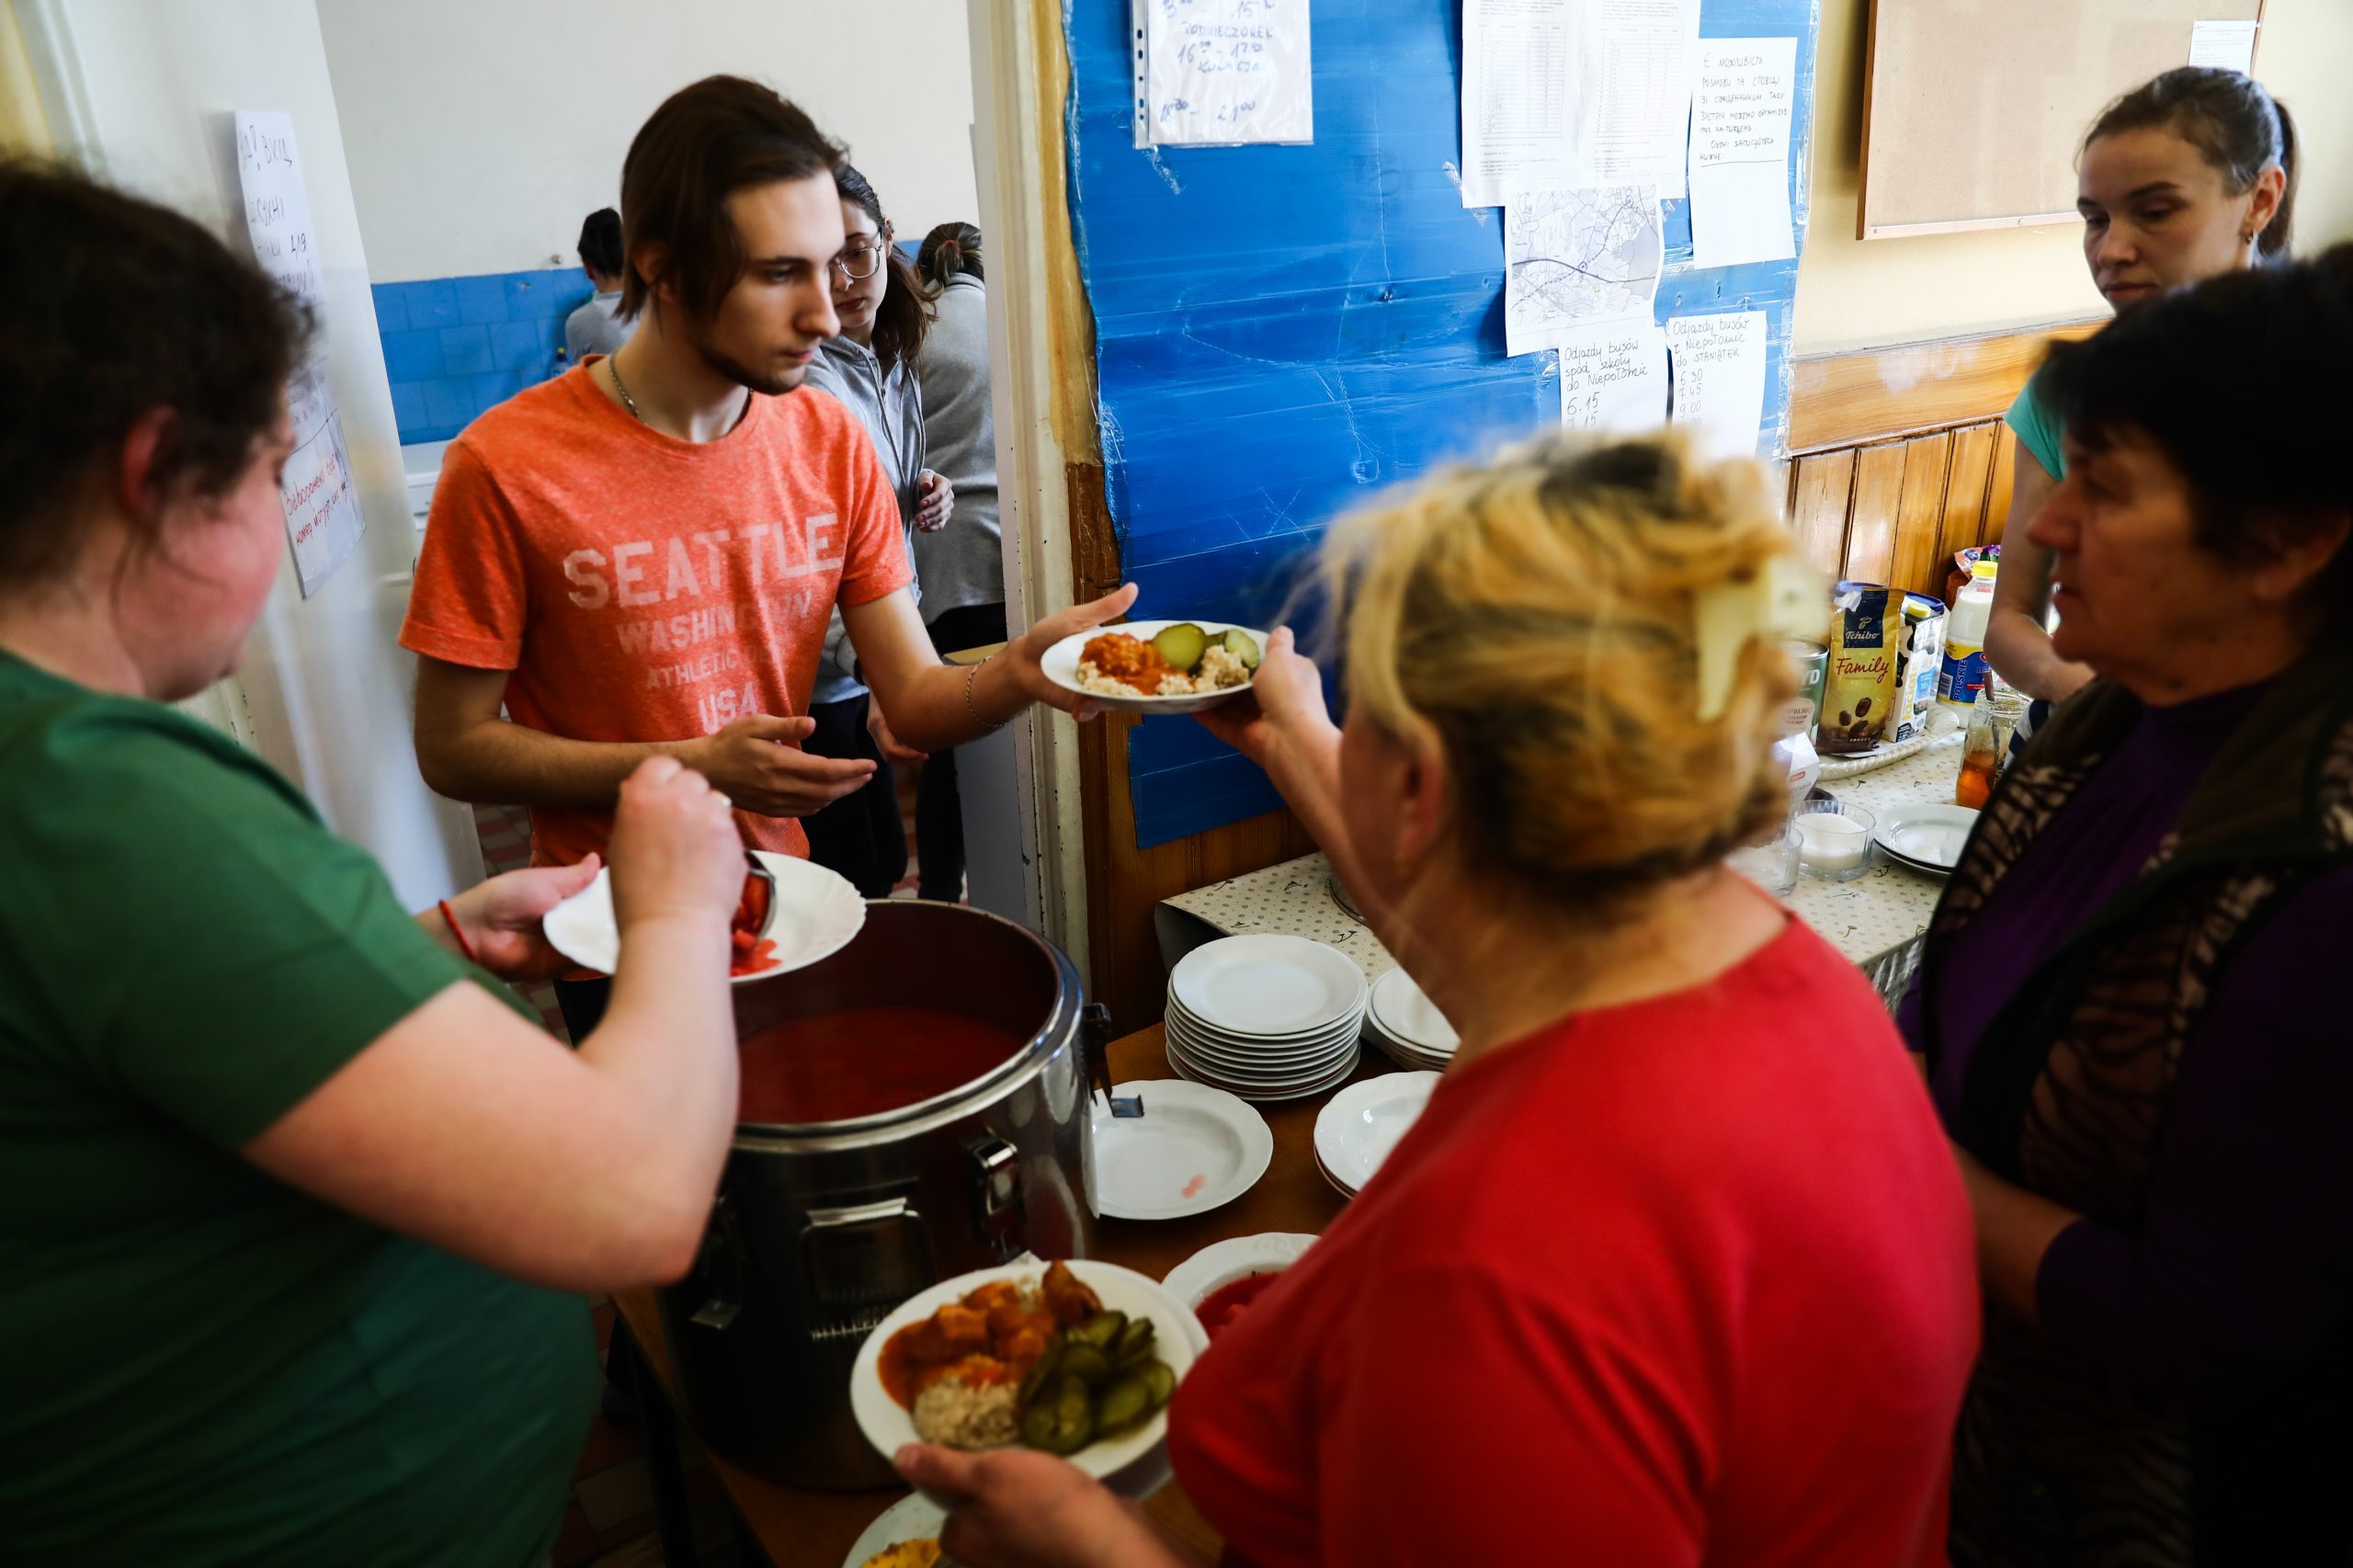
(1876,920)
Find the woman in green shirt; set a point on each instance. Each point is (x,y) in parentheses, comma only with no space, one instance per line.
(2188,175)
(296,1207)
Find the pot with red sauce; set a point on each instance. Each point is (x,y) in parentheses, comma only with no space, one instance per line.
(911,1108)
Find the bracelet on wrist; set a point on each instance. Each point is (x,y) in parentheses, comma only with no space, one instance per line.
(971,675)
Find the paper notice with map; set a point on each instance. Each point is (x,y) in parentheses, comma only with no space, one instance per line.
(1740,151)
(1573,257)
(1719,365)
(1613,378)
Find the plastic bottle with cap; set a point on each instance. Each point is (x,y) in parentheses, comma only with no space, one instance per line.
(1962,678)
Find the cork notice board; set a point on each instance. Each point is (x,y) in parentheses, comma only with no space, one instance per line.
(1972,109)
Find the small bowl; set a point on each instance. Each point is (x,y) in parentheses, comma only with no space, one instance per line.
(1834,839)
(1219,1263)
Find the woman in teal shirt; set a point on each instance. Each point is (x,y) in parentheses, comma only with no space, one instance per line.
(295,1206)
(2188,175)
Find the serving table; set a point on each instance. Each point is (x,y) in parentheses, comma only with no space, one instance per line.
(802,1528)
(1876,920)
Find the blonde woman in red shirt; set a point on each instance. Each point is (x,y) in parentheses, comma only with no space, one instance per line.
(1677,1267)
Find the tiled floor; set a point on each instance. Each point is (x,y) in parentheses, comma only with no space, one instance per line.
(609,1522)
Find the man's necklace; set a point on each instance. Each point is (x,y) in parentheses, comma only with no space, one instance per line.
(612,363)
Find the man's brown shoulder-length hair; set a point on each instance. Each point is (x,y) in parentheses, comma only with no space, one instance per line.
(706,142)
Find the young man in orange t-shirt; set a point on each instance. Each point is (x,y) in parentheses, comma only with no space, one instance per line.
(640,556)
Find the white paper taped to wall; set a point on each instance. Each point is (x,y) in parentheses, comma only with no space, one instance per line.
(1635,96)
(322,517)
(1518,115)
(2228,45)
(1576,256)
(1740,151)
(1613,378)
(1223,73)
(1718,367)
(1557,94)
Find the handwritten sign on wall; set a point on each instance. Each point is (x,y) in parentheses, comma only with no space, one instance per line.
(323,517)
(1212,73)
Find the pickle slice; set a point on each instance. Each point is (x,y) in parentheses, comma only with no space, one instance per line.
(1087,1363)
(1243,646)
(1102,1330)
(1181,644)
(1133,1344)
(1122,1405)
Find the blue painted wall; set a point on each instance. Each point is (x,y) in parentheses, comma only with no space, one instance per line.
(1279,331)
(455,345)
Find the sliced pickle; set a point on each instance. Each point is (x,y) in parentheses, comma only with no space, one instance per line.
(1243,646)
(1087,1363)
(1047,1363)
(1101,1330)
(1158,1380)
(1133,1344)
(1181,644)
(1122,1405)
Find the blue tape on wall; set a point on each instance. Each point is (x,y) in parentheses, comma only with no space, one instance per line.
(1279,331)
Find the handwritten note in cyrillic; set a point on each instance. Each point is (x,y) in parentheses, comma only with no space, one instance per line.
(1213,73)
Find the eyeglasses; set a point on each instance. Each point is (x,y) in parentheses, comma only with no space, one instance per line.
(859,259)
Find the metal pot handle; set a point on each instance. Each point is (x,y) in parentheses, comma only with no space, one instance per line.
(719,1268)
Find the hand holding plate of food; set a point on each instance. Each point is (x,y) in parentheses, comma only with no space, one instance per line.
(1156,666)
(798,913)
(1078,1359)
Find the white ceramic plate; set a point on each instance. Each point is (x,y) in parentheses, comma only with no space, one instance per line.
(1265,1095)
(1265,1039)
(1404,1055)
(1408,1016)
(1193,1149)
(1364,1121)
(1245,1070)
(1927,836)
(913,1518)
(1174,1330)
(814,914)
(1237,1258)
(1061,664)
(1268,1053)
(1262,986)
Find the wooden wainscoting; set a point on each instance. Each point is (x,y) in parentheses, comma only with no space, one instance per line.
(1898,459)
(1899,456)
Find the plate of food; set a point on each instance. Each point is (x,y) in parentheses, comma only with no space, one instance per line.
(813,914)
(1158,666)
(1075,1358)
(906,1535)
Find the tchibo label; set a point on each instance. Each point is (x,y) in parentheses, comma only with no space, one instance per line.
(1961,680)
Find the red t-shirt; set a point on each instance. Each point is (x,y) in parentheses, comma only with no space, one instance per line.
(1685,1281)
(644,588)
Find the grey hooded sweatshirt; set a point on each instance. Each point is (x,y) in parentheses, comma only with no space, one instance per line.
(889,409)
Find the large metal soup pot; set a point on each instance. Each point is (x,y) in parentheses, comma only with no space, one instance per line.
(823,1226)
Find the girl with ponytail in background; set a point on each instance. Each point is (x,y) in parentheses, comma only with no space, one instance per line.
(2190,176)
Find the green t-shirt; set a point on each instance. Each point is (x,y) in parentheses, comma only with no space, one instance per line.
(204,1365)
(2038,425)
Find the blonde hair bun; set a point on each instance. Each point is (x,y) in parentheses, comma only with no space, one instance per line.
(1534,617)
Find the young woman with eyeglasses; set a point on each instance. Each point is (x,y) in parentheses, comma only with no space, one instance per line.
(870,366)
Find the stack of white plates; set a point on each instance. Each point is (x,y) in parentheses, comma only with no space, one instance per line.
(1266,1018)
(1355,1134)
(1404,1024)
